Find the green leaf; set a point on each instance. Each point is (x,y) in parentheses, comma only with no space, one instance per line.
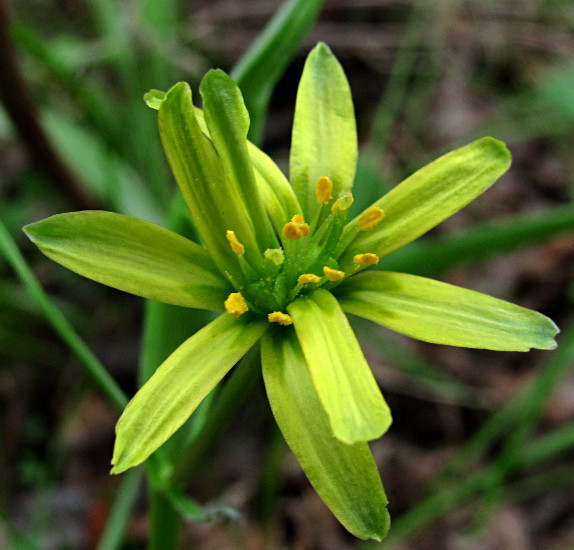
(211,199)
(179,385)
(428,197)
(324,141)
(344,382)
(445,314)
(345,476)
(479,242)
(264,63)
(132,255)
(228,122)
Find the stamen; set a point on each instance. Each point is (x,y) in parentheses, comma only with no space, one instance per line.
(370,218)
(366,259)
(344,202)
(296,228)
(236,246)
(333,274)
(323,188)
(281,318)
(308,278)
(275,255)
(235,304)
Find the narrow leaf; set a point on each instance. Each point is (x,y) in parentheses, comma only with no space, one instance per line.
(344,382)
(345,476)
(132,255)
(428,197)
(179,385)
(445,314)
(324,141)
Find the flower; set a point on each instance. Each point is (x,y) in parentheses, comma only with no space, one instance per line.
(284,265)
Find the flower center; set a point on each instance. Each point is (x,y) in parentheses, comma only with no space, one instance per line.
(307,260)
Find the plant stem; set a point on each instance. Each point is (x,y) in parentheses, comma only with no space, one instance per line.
(117,523)
(164,522)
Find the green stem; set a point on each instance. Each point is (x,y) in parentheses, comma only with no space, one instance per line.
(60,324)
(164,522)
(119,517)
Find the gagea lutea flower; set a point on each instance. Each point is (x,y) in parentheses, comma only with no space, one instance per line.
(283,263)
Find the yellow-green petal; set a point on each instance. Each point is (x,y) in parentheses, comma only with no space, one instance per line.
(179,385)
(344,476)
(441,313)
(343,379)
(228,122)
(277,194)
(324,141)
(210,197)
(428,197)
(132,255)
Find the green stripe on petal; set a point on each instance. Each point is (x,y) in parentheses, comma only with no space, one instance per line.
(179,385)
(132,255)
(324,141)
(228,122)
(343,379)
(428,197)
(345,476)
(445,314)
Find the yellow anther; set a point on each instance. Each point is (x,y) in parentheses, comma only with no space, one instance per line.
(323,188)
(281,318)
(235,304)
(366,259)
(333,274)
(308,278)
(236,246)
(296,228)
(344,202)
(371,217)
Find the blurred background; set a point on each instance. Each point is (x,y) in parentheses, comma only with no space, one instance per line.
(480,452)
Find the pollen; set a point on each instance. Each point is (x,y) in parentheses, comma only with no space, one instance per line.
(366,259)
(275,255)
(235,304)
(344,202)
(323,188)
(296,228)
(308,278)
(370,218)
(280,317)
(333,274)
(236,246)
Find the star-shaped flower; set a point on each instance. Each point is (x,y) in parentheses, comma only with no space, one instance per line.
(284,264)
